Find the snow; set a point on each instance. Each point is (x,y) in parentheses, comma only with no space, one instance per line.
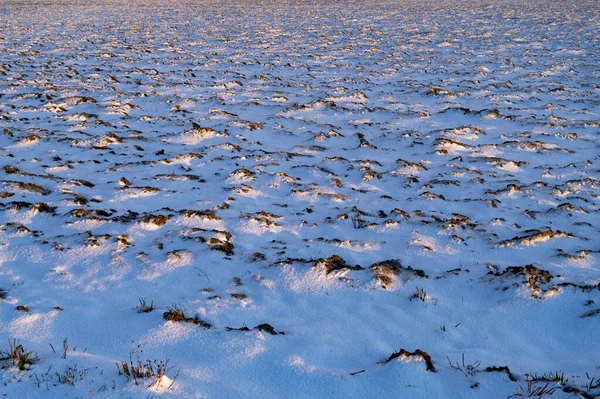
(319,187)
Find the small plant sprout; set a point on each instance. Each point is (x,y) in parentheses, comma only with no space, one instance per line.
(357,221)
(557,376)
(65,349)
(466,368)
(593,383)
(17,356)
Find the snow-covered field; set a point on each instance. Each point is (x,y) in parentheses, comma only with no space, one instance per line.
(300,199)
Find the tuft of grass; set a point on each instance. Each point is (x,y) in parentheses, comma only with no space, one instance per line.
(17,356)
(176,313)
(71,375)
(532,389)
(144,307)
(557,376)
(140,371)
(419,294)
